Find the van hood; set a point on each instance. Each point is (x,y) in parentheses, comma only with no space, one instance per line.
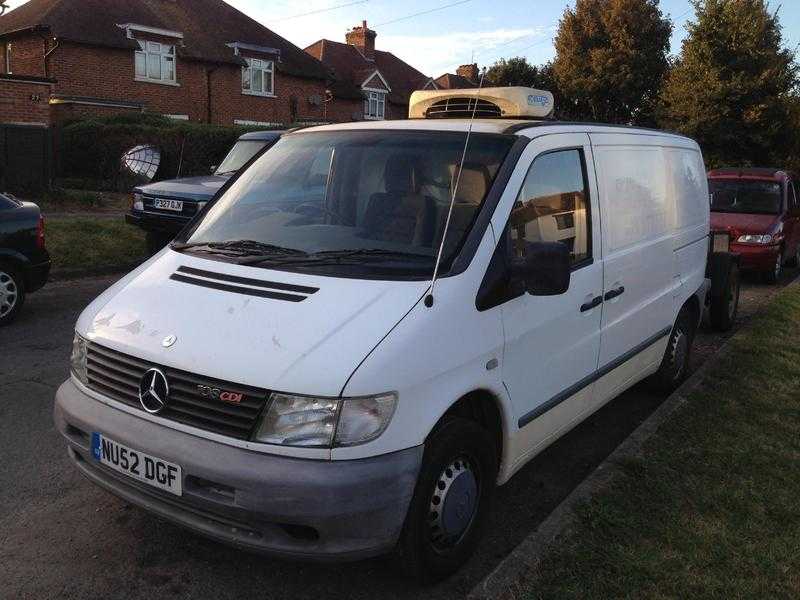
(199,189)
(740,223)
(311,346)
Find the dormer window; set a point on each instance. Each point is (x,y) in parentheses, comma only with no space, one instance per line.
(155,62)
(258,77)
(375,106)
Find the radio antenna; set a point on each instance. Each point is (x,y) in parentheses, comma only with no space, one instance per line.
(429,297)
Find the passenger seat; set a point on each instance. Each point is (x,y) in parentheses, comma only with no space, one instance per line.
(472,189)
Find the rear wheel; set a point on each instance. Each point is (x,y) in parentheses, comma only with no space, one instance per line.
(451,500)
(675,364)
(774,275)
(12,294)
(726,288)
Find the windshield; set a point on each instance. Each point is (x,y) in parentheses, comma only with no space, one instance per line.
(242,151)
(372,203)
(746,196)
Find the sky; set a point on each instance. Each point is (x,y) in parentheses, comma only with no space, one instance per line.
(452,32)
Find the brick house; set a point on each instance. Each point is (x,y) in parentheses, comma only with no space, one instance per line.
(368,83)
(198,60)
(465,77)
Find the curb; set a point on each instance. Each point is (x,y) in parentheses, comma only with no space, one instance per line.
(505,582)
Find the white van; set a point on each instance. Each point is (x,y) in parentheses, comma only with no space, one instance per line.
(284,377)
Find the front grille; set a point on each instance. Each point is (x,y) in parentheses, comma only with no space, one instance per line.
(463,108)
(117,376)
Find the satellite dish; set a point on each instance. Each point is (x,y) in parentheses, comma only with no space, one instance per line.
(142,161)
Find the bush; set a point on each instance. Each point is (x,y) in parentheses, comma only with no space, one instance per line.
(91,149)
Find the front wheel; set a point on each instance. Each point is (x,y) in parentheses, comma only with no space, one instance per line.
(12,294)
(450,502)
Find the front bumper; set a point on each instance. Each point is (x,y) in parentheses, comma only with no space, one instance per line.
(755,257)
(160,223)
(311,509)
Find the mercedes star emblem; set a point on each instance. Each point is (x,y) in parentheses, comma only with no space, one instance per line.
(153,391)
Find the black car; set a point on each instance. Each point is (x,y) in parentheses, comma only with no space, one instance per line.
(162,209)
(24,261)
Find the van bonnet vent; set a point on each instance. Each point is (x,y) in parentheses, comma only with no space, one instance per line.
(243,285)
(462,108)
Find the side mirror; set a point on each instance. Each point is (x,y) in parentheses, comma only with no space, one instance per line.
(545,269)
(214,169)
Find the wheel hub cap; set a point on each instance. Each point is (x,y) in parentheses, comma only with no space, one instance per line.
(453,503)
(8,293)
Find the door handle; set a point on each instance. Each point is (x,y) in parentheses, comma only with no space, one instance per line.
(593,303)
(610,295)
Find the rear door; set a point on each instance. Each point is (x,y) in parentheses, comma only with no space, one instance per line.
(640,278)
(553,342)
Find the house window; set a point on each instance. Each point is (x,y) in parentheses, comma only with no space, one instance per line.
(375,105)
(155,62)
(258,77)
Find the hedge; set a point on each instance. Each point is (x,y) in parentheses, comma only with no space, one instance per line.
(91,149)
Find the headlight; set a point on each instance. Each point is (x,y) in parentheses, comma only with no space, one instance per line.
(325,422)
(77,360)
(755,239)
(138,201)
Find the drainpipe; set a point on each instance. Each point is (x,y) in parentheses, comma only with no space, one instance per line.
(47,52)
(209,95)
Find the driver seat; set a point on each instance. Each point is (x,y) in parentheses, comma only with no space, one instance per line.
(401,214)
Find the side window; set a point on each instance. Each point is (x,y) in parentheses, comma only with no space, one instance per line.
(553,205)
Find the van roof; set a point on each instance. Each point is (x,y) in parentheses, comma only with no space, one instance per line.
(526,127)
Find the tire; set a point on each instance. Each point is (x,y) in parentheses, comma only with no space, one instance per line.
(12,294)
(795,260)
(774,275)
(156,241)
(726,287)
(458,473)
(675,364)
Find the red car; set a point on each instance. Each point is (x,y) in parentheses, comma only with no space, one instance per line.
(760,210)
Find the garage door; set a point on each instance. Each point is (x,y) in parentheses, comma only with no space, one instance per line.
(25,158)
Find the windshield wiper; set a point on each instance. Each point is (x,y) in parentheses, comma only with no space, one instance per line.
(338,257)
(247,248)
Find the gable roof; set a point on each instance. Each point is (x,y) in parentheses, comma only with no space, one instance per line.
(451,81)
(207,26)
(350,69)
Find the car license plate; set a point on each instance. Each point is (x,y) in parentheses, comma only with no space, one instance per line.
(165,204)
(138,465)
(722,242)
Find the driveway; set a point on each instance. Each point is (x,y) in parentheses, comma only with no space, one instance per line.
(60,537)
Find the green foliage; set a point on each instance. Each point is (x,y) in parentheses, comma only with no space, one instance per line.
(92,148)
(93,244)
(732,88)
(611,59)
(518,71)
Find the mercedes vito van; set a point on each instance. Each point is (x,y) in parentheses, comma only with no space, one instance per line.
(288,377)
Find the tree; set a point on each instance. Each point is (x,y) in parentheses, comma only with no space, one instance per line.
(611,58)
(733,88)
(518,71)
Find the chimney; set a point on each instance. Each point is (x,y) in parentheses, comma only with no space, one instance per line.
(363,38)
(469,72)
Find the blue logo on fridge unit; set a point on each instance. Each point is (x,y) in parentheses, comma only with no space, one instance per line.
(538,100)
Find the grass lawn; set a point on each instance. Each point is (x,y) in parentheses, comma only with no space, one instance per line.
(93,244)
(713,509)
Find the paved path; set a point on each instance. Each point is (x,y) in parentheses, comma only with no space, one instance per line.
(60,537)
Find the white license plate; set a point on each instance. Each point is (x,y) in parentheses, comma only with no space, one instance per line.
(176,205)
(722,242)
(138,465)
